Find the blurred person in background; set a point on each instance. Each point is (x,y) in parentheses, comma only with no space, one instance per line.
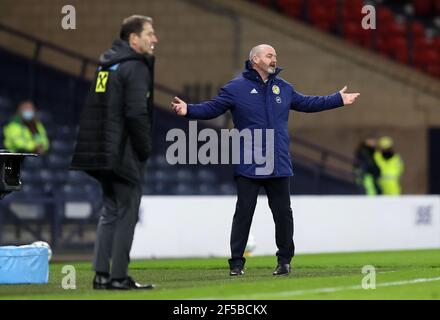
(25,132)
(391,167)
(114,143)
(366,169)
(259,98)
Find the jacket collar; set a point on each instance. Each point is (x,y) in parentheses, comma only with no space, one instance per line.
(121,52)
(252,74)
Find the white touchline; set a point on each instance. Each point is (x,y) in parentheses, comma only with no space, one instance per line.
(323,290)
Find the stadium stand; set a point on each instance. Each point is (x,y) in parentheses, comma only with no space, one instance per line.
(315,62)
(53,194)
(408,31)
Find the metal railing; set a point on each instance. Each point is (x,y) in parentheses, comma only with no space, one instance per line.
(324,160)
(85,61)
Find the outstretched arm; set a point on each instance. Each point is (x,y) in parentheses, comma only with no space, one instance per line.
(205,110)
(305,103)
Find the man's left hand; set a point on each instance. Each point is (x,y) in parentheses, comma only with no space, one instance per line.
(348,98)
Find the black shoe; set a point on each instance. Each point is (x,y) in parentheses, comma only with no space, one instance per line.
(282,270)
(129,284)
(101,282)
(238,271)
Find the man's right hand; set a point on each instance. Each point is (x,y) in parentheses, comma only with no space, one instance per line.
(179,106)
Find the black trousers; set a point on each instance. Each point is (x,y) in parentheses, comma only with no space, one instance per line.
(278,194)
(116,226)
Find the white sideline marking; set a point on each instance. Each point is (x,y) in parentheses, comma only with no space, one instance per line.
(326,290)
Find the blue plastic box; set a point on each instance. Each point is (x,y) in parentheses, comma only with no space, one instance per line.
(24,265)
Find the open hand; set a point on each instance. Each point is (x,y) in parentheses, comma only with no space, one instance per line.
(348,98)
(179,106)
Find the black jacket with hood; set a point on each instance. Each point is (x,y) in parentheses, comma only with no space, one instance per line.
(115,125)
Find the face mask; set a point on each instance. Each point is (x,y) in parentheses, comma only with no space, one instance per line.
(28,115)
(387,154)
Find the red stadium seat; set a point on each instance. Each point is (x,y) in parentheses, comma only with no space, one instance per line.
(436,43)
(265,3)
(352,31)
(292,8)
(434,70)
(323,15)
(437,6)
(354,5)
(425,55)
(384,16)
(383,46)
(423,7)
(399,49)
(417,29)
(391,36)
(367,38)
(396,29)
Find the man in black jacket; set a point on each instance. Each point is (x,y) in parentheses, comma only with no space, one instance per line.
(114,143)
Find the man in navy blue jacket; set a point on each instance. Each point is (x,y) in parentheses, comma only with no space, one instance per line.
(260,99)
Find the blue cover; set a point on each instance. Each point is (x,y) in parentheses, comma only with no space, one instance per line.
(24,265)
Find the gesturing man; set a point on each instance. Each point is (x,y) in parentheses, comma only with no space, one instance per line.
(260,99)
(114,143)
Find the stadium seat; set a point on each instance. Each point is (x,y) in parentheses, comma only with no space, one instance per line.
(45,117)
(46,175)
(434,70)
(73,189)
(393,36)
(207,189)
(185,175)
(5,103)
(437,7)
(207,176)
(399,49)
(423,7)
(323,14)
(29,176)
(384,16)
(436,43)
(228,189)
(162,188)
(265,3)
(292,8)
(66,132)
(352,32)
(62,146)
(397,29)
(417,30)
(184,189)
(158,161)
(77,177)
(60,176)
(33,162)
(162,176)
(58,162)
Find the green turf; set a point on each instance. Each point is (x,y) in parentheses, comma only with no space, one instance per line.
(208,279)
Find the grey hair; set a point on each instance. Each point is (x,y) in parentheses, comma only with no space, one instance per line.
(256,50)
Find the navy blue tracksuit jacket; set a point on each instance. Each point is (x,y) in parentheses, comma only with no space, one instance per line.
(255,104)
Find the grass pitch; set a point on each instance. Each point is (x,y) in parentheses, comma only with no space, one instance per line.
(399,275)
